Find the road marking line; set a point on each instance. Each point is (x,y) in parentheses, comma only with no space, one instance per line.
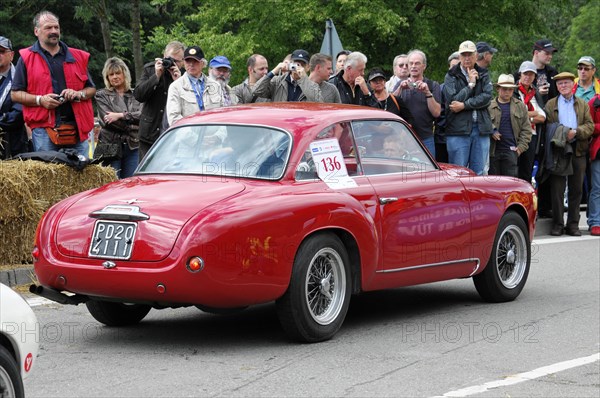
(35,301)
(548,241)
(526,376)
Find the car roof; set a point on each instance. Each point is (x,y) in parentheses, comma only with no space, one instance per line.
(290,116)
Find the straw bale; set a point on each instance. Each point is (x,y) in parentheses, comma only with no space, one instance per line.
(29,188)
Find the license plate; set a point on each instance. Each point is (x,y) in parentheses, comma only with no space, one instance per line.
(112,239)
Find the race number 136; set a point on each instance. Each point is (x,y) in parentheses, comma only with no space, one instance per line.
(330,164)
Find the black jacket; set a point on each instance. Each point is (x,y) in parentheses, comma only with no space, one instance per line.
(456,88)
(152,93)
(346,92)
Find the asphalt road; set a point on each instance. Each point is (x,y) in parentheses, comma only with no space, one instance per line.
(430,340)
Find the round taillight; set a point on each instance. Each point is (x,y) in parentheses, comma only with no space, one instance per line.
(35,253)
(195,264)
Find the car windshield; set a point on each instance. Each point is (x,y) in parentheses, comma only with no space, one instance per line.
(220,150)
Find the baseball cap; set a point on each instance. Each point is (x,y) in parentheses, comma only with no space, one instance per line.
(4,42)
(587,60)
(563,76)
(300,55)
(220,61)
(375,73)
(528,66)
(467,47)
(193,52)
(544,45)
(483,47)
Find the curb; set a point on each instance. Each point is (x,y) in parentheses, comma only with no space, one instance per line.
(17,276)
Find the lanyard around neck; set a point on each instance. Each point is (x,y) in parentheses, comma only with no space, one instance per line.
(199,100)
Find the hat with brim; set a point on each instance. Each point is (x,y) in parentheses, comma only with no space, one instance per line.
(300,56)
(5,43)
(220,61)
(193,52)
(587,60)
(528,66)
(564,76)
(374,74)
(467,47)
(506,81)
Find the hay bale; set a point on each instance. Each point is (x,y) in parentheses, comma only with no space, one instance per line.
(29,188)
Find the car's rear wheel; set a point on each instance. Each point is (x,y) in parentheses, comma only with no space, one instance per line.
(117,314)
(316,302)
(506,272)
(11,384)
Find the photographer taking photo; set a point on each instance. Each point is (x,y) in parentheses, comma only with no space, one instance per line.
(152,91)
(289,81)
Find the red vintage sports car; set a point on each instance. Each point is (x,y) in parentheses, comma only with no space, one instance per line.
(302,204)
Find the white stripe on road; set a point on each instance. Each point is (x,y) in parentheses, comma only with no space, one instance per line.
(548,241)
(526,376)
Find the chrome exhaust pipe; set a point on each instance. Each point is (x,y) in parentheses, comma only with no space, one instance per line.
(55,295)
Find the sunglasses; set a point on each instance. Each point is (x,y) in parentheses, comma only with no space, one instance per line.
(5,51)
(403,65)
(585,68)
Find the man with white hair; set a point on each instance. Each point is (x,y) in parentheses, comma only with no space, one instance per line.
(219,69)
(423,97)
(351,82)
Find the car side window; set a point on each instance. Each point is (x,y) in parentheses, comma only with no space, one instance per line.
(388,146)
(307,169)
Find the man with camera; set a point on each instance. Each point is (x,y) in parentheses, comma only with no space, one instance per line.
(422,97)
(289,81)
(53,84)
(152,90)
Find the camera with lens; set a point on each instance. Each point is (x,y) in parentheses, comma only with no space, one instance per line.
(168,62)
(413,84)
(59,98)
(294,66)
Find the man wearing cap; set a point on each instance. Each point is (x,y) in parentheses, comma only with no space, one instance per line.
(13,136)
(593,218)
(257,67)
(351,83)
(289,81)
(152,91)
(423,97)
(194,91)
(532,99)
(219,69)
(321,67)
(485,53)
(543,50)
(573,113)
(54,86)
(512,130)
(468,93)
(586,85)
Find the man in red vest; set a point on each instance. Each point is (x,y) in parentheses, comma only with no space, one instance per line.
(54,86)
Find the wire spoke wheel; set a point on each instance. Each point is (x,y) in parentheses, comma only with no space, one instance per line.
(511,256)
(325,286)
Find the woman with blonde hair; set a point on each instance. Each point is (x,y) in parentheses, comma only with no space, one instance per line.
(119,114)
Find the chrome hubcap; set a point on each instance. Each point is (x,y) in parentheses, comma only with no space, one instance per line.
(511,256)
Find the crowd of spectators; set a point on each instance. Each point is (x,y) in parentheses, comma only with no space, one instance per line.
(542,126)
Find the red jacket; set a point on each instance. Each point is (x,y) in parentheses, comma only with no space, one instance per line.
(39,82)
(595,111)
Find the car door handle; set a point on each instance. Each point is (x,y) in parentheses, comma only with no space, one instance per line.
(385,201)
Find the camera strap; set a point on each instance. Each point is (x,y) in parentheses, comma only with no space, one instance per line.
(199,83)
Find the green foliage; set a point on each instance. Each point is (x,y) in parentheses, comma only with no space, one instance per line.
(584,35)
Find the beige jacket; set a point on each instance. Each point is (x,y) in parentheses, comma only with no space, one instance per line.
(181,99)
